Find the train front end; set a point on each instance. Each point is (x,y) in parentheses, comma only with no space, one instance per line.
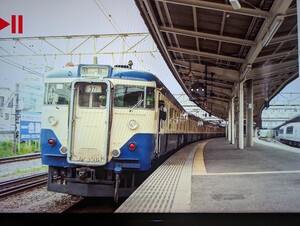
(89,144)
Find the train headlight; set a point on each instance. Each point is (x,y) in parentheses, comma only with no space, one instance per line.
(133,124)
(116,153)
(52,120)
(63,150)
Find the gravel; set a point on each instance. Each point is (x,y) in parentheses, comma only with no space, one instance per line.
(37,200)
(19,169)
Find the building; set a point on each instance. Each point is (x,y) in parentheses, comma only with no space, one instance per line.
(27,97)
(7,113)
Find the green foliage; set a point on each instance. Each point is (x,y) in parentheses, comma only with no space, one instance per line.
(6,148)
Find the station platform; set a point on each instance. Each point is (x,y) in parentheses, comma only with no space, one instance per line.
(213,176)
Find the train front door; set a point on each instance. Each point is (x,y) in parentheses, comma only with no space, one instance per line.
(89,122)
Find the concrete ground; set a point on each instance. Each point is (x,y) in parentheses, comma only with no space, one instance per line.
(260,179)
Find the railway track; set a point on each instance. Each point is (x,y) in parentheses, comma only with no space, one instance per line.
(94,205)
(21,184)
(20,158)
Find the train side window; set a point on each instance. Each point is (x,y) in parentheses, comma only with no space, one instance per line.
(57,93)
(129,96)
(1,101)
(162,110)
(289,130)
(150,97)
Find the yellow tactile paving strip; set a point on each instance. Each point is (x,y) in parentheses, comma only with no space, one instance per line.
(168,189)
(199,165)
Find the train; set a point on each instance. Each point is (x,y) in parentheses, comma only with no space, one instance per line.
(104,126)
(290,134)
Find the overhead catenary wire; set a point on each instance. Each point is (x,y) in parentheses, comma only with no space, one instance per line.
(109,17)
(19,66)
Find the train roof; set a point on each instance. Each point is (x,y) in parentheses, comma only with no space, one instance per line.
(122,72)
(291,124)
(116,73)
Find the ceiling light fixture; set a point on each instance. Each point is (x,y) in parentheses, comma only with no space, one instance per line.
(272,30)
(235,4)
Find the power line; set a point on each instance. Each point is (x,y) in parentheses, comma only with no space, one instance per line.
(19,66)
(116,27)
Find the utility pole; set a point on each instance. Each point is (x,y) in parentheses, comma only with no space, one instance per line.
(17,120)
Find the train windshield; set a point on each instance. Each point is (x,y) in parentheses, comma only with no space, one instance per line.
(57,93)
(92,95)
(127,96)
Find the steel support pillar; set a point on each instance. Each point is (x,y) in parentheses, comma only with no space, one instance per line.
(229,125)
(249,116)
(240,144)
(232,122)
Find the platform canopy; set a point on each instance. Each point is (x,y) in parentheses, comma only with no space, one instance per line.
(210,46)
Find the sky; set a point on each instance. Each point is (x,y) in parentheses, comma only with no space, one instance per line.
(79,17)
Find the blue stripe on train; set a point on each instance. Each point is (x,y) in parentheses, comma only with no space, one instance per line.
(140,158)
(50,154)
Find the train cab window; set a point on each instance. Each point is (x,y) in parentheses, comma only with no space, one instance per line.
(92,95)
(127,96)
(57,93)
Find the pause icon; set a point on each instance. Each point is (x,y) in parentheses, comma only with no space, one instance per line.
(14,23)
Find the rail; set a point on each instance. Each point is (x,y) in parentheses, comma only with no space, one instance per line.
(20,158)
(21,184)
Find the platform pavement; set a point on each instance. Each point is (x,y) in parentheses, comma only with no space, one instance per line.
(260,179)
(216,177)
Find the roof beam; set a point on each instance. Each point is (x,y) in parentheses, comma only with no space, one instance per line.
(203,35)
(201,79)
(223,73)
(278,8)
(220,7)
(285,38)
(276,55)
(205,54)
(272,68)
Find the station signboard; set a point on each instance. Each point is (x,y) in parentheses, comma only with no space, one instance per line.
(30,126)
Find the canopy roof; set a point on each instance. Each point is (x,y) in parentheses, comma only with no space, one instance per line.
(222,46)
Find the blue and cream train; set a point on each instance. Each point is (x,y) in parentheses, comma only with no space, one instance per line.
(102,126)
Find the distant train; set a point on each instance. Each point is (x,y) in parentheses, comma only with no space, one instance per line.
(103,126)
(290,134)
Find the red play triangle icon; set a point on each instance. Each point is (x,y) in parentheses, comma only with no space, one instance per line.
(3,23)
